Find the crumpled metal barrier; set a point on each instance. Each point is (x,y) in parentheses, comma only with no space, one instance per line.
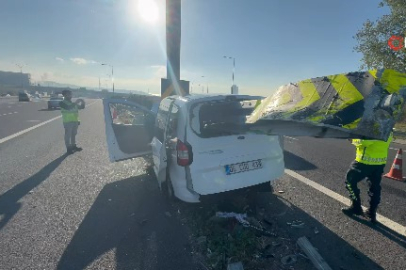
(362,105)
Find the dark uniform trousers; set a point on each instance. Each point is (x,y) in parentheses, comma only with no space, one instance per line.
(373,173)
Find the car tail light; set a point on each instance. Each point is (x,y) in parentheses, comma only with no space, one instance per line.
(184,153)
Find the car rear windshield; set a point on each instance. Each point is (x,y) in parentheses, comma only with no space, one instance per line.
(220,118)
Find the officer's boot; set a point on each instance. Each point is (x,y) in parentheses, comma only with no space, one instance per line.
(76,149)
(371,213)
(354,209)
(69,150)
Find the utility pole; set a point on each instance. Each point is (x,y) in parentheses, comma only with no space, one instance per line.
(233,58)
(21,72)
(112,73)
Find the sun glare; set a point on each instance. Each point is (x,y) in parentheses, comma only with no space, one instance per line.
(148,10)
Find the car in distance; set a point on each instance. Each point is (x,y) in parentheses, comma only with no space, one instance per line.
(24,97)
(53,102)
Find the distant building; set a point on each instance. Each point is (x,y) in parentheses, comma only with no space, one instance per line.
(234,90)
(14,79)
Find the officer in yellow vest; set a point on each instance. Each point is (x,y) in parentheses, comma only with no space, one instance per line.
(369,163)
(70,116)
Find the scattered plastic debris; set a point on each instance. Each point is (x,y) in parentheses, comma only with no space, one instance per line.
(31,192)
(281,191)
(289,260)
(296,224)
(241,218)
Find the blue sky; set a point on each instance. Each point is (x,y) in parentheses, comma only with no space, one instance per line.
(274,41)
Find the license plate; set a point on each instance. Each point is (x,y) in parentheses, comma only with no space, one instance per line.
(243,166)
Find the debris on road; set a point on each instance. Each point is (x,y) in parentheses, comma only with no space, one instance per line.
(312,253)
(281,191)
(289,260)
(300,225)
(316,231)
(240,217)
(231,233)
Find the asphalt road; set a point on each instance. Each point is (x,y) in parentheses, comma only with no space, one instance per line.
(16,116)
(343,242)
(83,212)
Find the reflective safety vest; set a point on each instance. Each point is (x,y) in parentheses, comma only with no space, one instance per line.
(70,115)
(372,152)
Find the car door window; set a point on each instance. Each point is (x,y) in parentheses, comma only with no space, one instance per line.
(162,119)
(130,126)
(173,122)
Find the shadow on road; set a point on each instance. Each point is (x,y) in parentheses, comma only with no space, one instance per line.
(133,218)
(9,204)
(274,213)
(385,231)
(337,252)
(48,110)
(296,163)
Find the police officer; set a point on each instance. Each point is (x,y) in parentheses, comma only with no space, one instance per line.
(70,116)
(370,161)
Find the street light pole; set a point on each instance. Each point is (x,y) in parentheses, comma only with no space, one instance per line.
(112,73)
(21,71)
(233,58)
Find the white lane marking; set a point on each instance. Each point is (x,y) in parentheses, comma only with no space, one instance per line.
(34,127)
(384,220)
(28,130)
(391,148)
(8,113)
(291,138)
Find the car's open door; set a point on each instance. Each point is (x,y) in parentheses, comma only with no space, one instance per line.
(362,105)
(129,129)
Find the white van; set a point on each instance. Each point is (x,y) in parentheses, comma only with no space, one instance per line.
(198,143)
